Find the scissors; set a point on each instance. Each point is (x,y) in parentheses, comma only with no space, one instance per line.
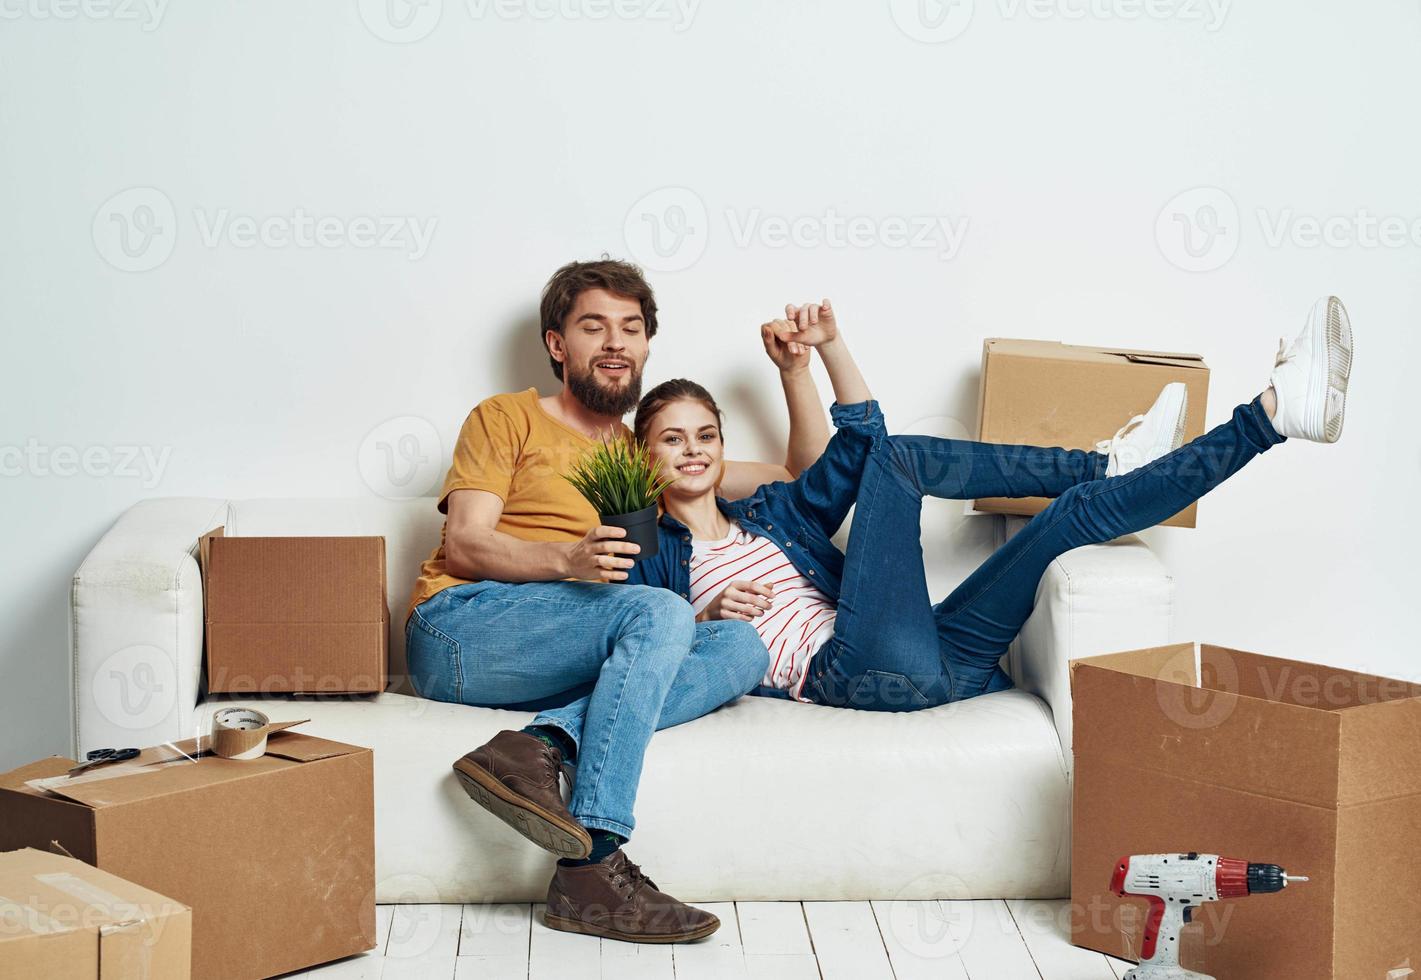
(98,757)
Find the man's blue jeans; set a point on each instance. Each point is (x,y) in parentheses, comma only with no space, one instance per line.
(607,664)
(893,649)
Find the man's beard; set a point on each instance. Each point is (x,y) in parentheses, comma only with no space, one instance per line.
(601,399)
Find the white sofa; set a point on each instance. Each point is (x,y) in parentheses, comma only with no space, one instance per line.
(764,799)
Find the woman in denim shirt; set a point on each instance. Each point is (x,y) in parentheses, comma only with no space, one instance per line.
(871,636)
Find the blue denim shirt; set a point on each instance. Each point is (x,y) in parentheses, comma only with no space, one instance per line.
(800,516)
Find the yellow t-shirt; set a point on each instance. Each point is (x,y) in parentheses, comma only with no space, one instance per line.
(509,445)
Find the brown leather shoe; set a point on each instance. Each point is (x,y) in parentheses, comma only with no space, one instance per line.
(514,776)
(614,899)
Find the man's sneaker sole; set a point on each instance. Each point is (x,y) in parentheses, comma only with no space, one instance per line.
(545,829)
(1336,333)
(573,925)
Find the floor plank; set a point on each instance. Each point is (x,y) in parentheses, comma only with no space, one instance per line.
(947,940)
(424,931)
(994,948)
(773,966)
(428,966)
(555,955)
(383,915)
(636,961)
(922,940)
(847,941)
(1045,927)
(773,929)
(367,966)
(495,930)
(719,956)
(1121,967)
(490,967)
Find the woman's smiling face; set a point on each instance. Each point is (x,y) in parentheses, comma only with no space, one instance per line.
(685,437)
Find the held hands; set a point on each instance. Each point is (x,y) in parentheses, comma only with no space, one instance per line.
(746,601)
(598,556)
(787,341)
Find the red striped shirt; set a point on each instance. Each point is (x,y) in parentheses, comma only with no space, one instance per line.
(800,618)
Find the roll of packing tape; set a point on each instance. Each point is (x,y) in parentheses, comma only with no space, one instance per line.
(240,733)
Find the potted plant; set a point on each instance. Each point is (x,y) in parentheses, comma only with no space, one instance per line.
(621,480)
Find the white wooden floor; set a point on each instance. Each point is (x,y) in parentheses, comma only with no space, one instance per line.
(982,940)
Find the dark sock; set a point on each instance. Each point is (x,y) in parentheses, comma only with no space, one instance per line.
(555,737)
(604,842)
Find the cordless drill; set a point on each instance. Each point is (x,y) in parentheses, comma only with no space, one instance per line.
(1175,884)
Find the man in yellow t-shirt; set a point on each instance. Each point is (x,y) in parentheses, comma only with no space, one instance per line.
(514,609)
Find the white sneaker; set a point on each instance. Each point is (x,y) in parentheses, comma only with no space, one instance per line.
(1310,375)
(1145,438)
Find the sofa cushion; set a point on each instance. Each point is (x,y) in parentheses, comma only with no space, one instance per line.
(763,799)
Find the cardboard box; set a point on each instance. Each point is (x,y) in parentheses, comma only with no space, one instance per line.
(61,919)
(1273,761)
(1046,393)
(275,855)
(295,615)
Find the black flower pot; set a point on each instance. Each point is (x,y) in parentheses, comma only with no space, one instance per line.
(641,529)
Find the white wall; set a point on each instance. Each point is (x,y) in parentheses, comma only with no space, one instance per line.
(1058,132)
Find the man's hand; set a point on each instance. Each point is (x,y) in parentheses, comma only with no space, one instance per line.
(810,325)
(596,557)
(745,601)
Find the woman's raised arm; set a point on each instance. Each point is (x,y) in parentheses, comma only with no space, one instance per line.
(815,325)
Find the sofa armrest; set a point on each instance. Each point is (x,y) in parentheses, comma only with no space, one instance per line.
(1102,598)
(136,626)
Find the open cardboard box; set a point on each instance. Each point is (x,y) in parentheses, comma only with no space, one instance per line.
(1314,768)
(295,615)
(274,855)
(1046,393)
(61,918)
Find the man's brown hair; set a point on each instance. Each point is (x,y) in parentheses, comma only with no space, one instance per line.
(613,275)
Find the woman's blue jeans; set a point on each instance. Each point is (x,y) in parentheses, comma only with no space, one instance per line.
(893,649)
(607,664)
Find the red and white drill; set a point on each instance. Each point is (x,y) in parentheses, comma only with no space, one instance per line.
(1175,884)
